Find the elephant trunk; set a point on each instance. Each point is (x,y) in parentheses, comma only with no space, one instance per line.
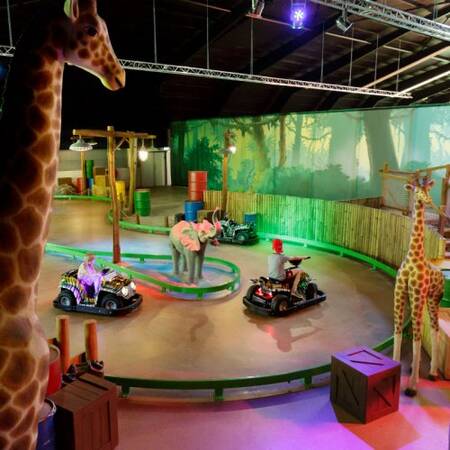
(216,222)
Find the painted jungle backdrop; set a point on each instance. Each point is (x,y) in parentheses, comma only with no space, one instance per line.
(334,155)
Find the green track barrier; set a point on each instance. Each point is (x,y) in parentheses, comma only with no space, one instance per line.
(218,385)
(76,252)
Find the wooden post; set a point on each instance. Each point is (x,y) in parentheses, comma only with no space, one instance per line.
(90,340)
(132,165)
(63,337)
(227,143)
(224,182)
(112,183)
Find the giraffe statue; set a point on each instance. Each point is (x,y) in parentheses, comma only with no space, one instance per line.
(29,135)
(419,282)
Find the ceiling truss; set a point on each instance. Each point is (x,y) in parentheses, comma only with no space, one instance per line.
(392,16)
(171,69)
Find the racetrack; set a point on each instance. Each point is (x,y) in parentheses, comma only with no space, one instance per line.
(217,338)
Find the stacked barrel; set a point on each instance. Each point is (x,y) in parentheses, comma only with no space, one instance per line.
(89,167)
(197,184)
(121,191)
(142,202)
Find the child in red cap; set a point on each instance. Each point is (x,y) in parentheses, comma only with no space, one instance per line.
(277,260)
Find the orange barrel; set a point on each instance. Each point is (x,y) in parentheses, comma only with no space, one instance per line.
(54,370)
(79,185)
(197,184)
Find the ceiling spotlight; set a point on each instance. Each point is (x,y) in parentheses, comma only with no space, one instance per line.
(80,145)
(343,23)
(257,7)
(297,13)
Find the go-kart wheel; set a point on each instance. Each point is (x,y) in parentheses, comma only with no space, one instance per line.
(280,305)
(66,298)
(111,302)
(311,291)
(241,238)
(251,291)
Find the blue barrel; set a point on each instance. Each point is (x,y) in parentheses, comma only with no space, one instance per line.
(250,217)
(46,427)
(191,207)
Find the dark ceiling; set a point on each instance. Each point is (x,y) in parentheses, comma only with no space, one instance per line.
(150,101)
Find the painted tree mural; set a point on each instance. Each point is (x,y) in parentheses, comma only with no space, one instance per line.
(335,155)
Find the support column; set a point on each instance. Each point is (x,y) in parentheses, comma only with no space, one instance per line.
(114,201)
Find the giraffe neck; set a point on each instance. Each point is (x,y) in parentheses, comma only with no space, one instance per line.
(416,242)
(31,126)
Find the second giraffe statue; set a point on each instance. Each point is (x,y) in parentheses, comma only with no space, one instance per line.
(421,283)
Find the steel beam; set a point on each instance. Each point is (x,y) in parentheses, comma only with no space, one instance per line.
(171,69)
(391,16)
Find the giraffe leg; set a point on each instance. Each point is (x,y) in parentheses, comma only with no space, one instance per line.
(400,298)
(417,303)
(433,311)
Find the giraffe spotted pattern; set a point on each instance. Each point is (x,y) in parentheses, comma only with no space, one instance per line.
(31,125)
(420,283)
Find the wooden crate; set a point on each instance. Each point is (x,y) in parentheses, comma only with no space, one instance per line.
(204,214)
(65,180)
(86,416)
(365,383)
(443,340)
(99,171)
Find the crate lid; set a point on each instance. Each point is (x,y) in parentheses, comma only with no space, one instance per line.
(365,360)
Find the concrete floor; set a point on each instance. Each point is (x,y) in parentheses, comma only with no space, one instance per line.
(217,338)
(181,339)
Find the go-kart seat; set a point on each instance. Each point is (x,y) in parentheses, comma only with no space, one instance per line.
(88,288)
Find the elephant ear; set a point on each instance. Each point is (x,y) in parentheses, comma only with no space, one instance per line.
(189,240)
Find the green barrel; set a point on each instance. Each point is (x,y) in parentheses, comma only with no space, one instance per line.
(142,202)
(89,168)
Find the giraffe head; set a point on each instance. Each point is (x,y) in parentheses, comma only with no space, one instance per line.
(82,40)
(421,190)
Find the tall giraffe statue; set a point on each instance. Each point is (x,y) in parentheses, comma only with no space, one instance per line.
(29,136)
(419,282)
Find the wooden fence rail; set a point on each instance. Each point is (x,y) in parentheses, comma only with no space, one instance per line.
(376,233)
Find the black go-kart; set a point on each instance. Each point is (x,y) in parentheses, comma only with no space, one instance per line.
(271,297)
(117,294)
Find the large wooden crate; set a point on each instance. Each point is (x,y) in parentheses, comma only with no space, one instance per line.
(86,416)
(365,383)
(443,340)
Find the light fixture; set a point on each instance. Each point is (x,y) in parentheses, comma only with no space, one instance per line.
(231,149)
(298,13)
(257,7)
(143,152)
(80,145)
(343,23)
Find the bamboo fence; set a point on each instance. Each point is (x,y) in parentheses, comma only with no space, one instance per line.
(376,233)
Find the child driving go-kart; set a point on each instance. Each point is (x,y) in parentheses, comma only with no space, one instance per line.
(277,272)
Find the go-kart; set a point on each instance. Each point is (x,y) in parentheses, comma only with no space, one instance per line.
(235,233)
(117,294)
(274,298)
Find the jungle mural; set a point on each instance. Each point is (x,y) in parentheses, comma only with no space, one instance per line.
(332,155)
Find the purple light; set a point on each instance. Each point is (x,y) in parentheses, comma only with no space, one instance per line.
(297,15)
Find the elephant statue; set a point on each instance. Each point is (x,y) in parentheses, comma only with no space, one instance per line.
(188,240)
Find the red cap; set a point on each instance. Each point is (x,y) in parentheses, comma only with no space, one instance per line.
(277,245)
